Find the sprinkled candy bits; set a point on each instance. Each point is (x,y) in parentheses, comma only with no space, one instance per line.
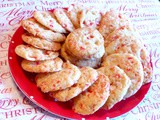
(91,57)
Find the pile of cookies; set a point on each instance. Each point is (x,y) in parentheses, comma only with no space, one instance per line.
(93,58)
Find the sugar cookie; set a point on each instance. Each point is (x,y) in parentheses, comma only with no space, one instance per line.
(111,21)
(89,18)
(127,41)
(93,62)
(119,33)
(48,20)
(88,77)
(131,66)
(93,98)
(63,19)
(52,65)
(84,42)
(119,84)
(34,54)
(63,79)
(147,66)
(40,43)
(36,29)
(72,13)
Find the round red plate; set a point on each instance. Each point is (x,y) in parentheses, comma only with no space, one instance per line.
(25,81)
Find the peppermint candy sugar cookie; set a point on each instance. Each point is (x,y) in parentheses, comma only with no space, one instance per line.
(52,65)
(91,100)
(89,18)
(119,84)
(84,42)
(63,19)
(36,29)
(111,21)
(34,54)
(127,41)
(87,78)
(93,62)
(48,20)
(40,43)
(60,80)
(72,13)
(131,66)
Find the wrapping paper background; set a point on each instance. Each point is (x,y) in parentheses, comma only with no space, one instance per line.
(145,15)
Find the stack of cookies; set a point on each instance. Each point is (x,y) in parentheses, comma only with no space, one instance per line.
(79,54)
(84,47)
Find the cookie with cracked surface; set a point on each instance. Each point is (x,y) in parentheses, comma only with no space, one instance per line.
(84,42)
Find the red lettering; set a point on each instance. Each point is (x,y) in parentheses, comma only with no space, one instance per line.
(35,110)
(56,3)
(3,54)
(9,114)
(125,8)
(15,20)
(36,117)
(5,75)
(8,29)
(28,111)
(4,44)
(7,103)
(12,12)
(5,90)
(3,63)
(6,0)
(17,112)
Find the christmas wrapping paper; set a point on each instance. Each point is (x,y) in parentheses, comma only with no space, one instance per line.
(145,16)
